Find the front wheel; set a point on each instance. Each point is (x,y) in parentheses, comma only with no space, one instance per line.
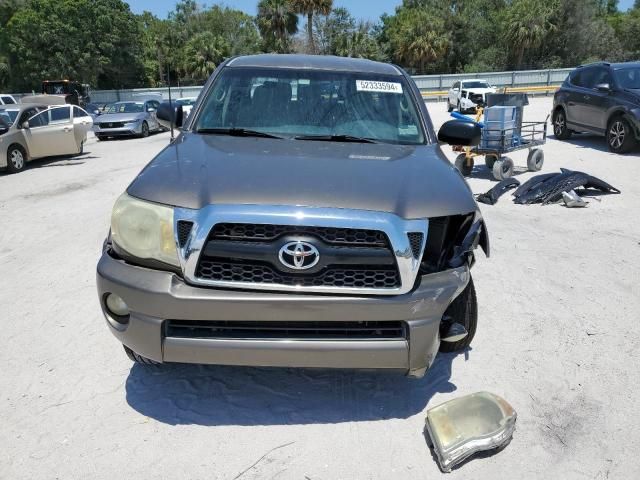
(464,165)
(535,160)
(145,130)
(560,129)
(137,357)
(502,168)
(463,310)
(16,159)
(620,136)
(449,106)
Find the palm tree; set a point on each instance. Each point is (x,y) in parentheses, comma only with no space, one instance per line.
(309,8)
(277,21)
(528,23)
(202,53)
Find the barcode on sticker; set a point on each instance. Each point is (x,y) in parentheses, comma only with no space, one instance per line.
(373,86)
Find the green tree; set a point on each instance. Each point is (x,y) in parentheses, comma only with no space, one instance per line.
(310,8)
(528,22)
(277,22)
(330,28)
(202,53)
(93,41)
(418,38)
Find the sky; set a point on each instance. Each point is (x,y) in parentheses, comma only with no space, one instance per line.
(362,9)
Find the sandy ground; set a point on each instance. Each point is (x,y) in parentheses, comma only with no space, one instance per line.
(558,337)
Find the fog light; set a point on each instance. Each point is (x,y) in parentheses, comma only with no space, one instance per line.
(461,427)
(116,305)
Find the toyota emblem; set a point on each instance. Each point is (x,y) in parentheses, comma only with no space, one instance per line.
(299,255)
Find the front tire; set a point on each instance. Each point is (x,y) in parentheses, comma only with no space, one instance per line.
(145,130)
(560,129)
(463,310)
(502,168)
(133,356)
(620,136)
(449,106)
(16,159)
(463,165)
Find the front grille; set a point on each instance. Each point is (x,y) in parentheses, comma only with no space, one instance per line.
(111,124)
(334,276)
(249,254)
(263,232)
(318,330)
(477,98)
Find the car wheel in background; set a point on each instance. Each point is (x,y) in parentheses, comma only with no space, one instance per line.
(560,129)
(449,106)
(138,358)
(100,138)
(16,158)
(463,165)
(145,130)
(502,168)
(459,107)
(463,310)
(620,136)
(535,160)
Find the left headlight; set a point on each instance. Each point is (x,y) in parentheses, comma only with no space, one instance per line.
(144,229)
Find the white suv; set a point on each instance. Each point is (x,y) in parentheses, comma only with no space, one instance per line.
(468,94)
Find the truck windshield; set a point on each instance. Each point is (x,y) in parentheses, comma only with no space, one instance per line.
(628,78)
(308,103)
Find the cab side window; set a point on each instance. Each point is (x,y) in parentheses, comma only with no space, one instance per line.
(601,75)
(78,113)
(60,115)
(456,86)
(39,120)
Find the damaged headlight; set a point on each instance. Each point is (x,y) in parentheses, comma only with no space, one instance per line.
(144,230)
(451,241)
(461,427)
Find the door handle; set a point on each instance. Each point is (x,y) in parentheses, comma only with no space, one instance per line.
(66,129)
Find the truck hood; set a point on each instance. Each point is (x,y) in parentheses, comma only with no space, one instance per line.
(409,181)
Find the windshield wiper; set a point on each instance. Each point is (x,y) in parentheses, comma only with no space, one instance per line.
(335,138)
(237,132)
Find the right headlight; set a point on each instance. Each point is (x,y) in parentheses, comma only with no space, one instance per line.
(144,230)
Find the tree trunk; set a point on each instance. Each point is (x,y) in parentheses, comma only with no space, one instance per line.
(311,46)
(520,56)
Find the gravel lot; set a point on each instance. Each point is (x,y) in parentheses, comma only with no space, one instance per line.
(557,338)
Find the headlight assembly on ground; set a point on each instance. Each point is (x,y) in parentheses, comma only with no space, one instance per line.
(144,229)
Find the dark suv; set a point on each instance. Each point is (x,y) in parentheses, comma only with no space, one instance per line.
(601,98)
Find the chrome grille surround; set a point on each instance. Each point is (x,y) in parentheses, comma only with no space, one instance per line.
(393,226)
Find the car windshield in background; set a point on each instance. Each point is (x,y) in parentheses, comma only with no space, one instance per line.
(628,78)
(126,107)
(475,85)
(9,116)
(311,103)
(185,101)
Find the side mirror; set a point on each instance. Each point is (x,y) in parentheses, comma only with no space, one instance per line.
(603,87)
(170,115)
(25,125)
(459,132)
(151,109)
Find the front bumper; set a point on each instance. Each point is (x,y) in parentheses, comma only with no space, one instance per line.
(154,296)
(128,129)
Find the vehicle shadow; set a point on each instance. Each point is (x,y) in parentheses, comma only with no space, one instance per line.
(585,140)
(221,395)
(481,171)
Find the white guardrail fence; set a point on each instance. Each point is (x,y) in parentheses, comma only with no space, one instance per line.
(433,87)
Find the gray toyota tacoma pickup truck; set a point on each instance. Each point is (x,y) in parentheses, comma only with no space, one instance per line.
(305,216)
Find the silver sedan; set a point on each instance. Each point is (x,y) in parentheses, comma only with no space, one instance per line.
(134,118)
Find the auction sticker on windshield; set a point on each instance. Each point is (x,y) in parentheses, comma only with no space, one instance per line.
(373,86)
